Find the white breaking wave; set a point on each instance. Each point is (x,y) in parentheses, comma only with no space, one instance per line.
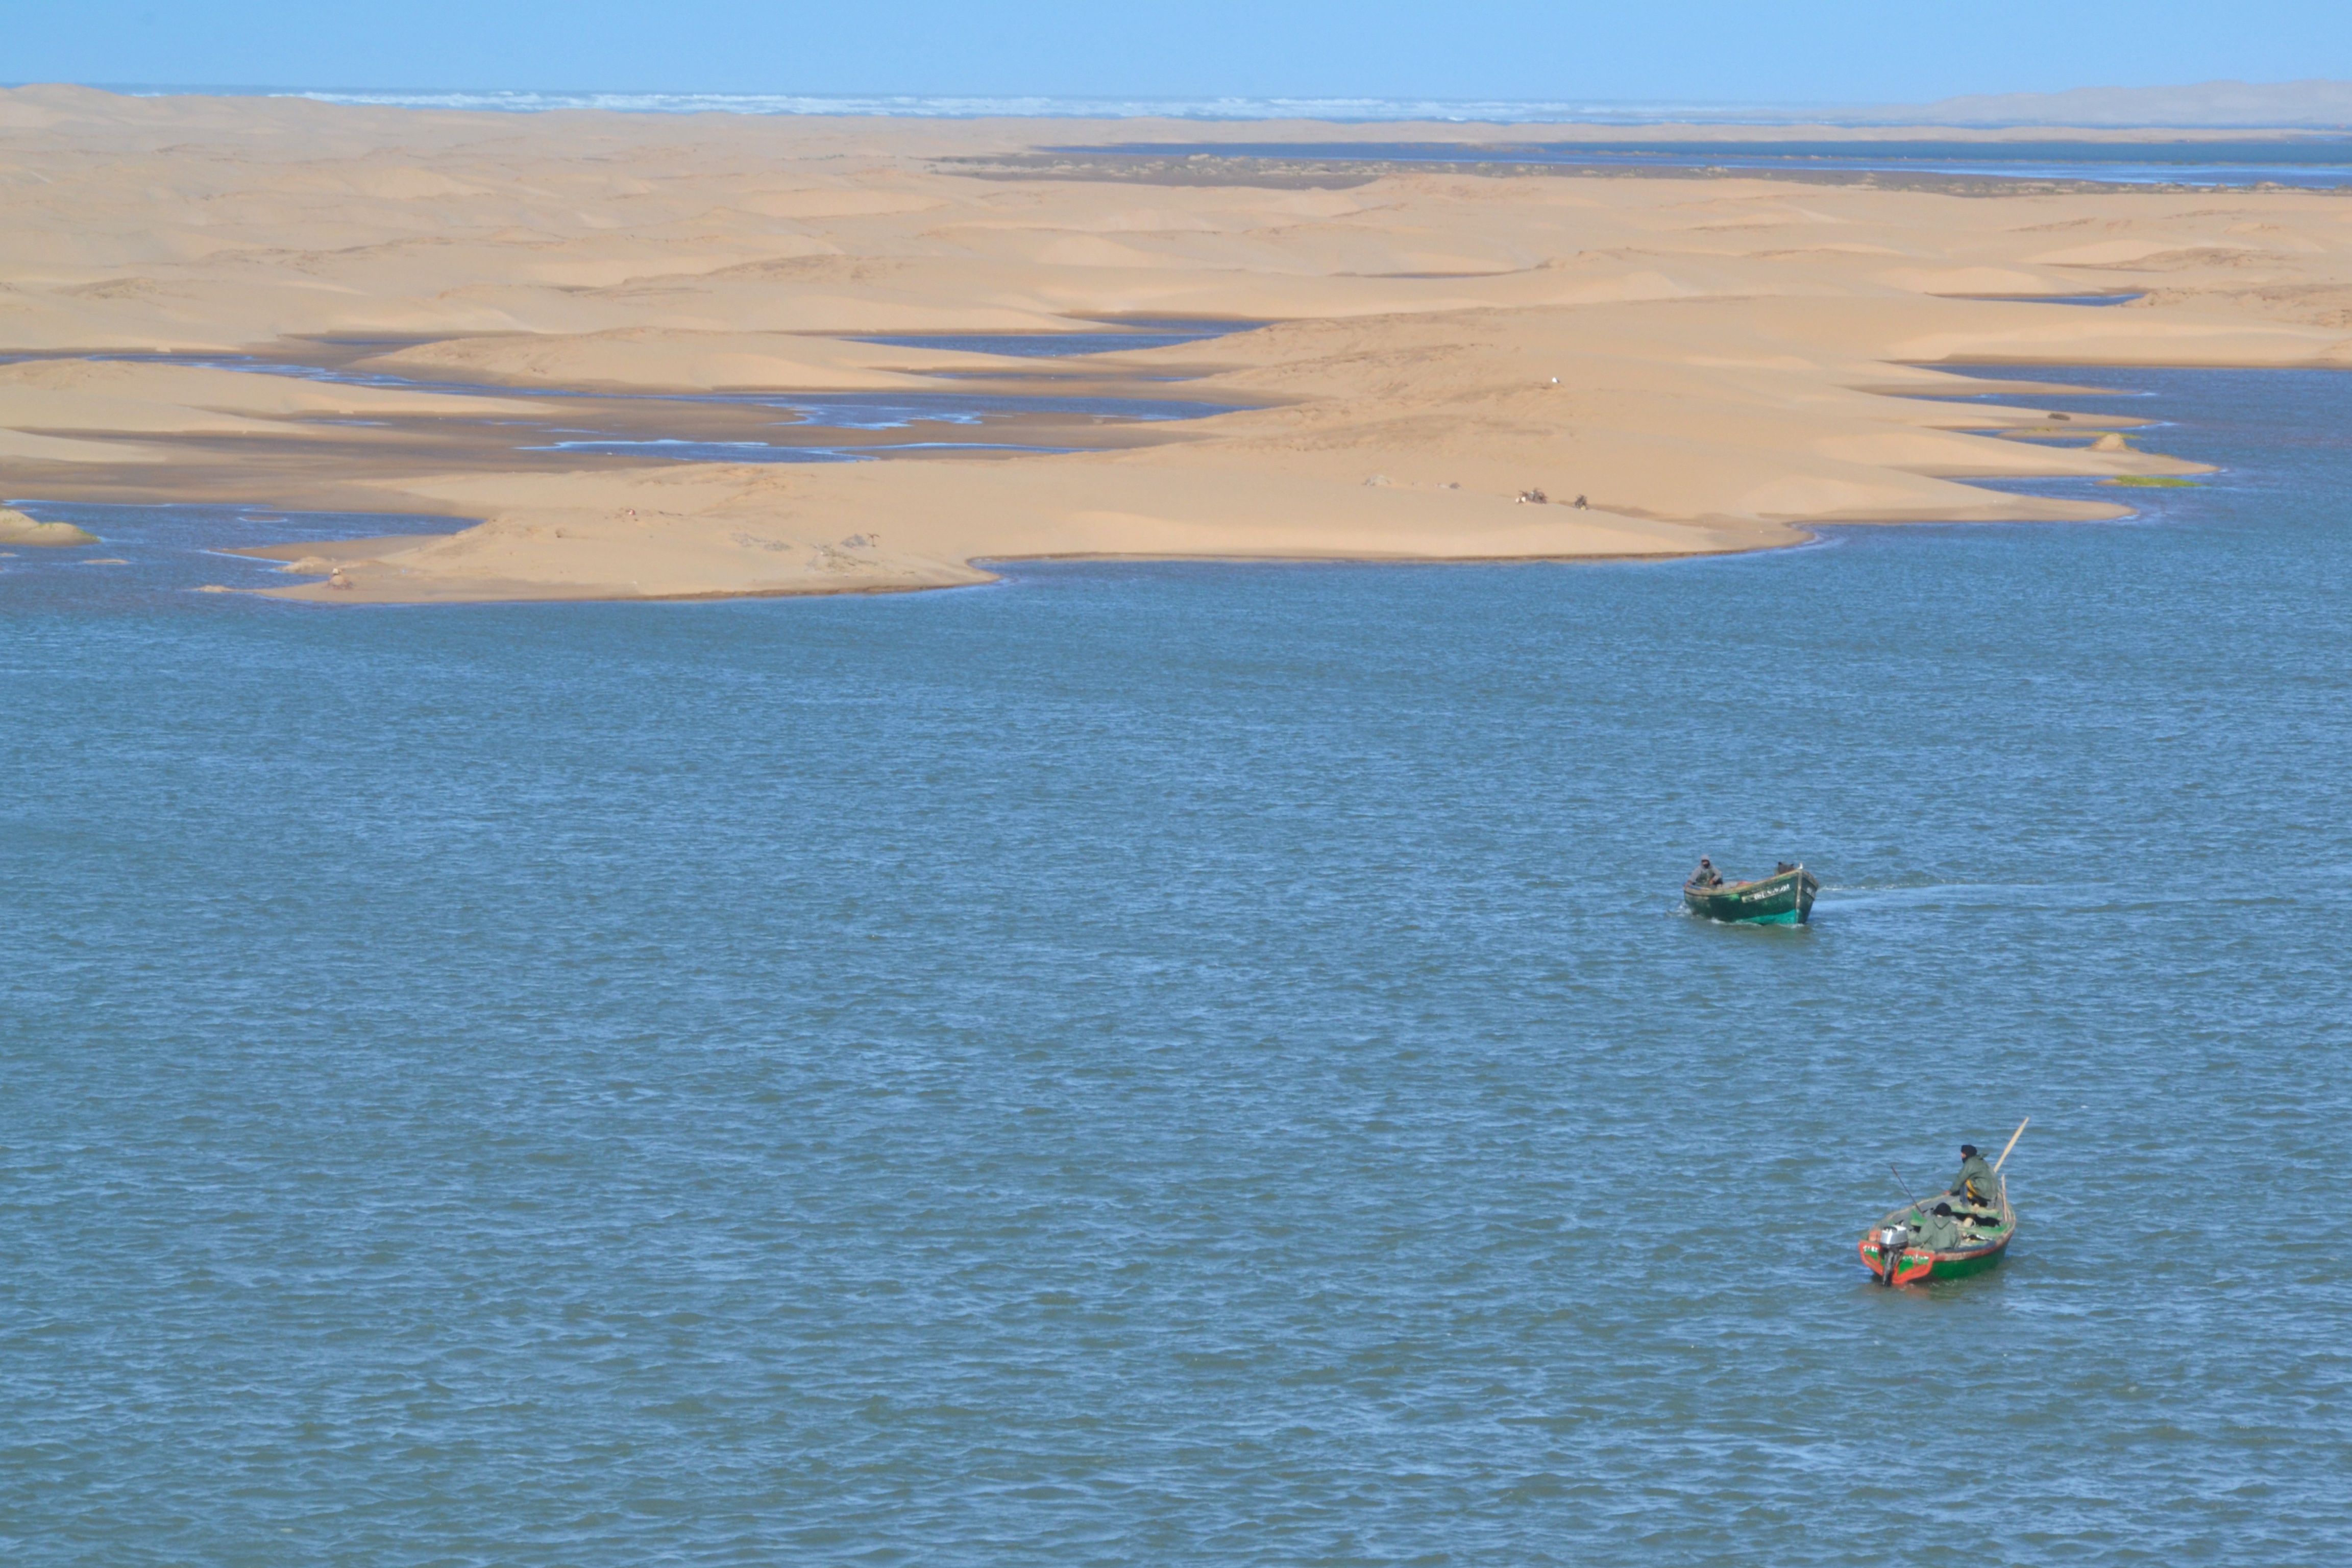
(950,107)
(2318,104)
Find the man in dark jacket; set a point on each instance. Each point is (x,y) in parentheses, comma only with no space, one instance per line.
(1976,1184)
(1939,1229)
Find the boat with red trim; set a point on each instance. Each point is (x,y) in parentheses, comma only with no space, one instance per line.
(1895,1253)
(1973,1239)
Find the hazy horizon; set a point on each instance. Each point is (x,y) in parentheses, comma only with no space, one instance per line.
(2307,104)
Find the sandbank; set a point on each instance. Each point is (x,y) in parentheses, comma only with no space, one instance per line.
(1711,363)
(16,528)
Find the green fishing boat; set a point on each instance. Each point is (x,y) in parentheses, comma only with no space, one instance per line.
(1895,1251)
(1892,1251)
(1783,899)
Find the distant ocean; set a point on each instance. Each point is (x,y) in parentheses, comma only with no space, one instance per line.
(1509,111)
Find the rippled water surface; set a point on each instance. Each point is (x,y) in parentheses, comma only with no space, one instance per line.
(1140,332)
(2312,162)
(1146,1063)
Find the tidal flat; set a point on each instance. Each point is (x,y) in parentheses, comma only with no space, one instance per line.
(1715,359)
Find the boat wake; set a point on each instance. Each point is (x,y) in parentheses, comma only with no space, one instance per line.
(2078,896)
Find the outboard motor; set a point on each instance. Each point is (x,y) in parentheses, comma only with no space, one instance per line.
(1892,1240)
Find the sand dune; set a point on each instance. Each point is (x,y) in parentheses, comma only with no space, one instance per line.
(1711,363)
(687,531)
(672,359)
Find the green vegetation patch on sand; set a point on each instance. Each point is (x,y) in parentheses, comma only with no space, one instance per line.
(2152,481)
(16,528)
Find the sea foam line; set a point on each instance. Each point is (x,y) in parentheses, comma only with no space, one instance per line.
(971,107)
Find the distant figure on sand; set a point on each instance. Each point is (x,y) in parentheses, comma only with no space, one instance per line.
(1707,875)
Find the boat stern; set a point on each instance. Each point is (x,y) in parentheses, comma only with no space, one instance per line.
(1890,1258)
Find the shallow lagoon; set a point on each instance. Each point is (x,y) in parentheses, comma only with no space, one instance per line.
(1020,412)
(2311,163)
(1156,1063)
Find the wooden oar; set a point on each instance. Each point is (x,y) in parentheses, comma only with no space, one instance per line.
(2013,1137)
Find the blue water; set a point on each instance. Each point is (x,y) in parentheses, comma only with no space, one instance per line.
(1367,110)
(832,410)
(858,411)
(2094,300)
(1063,346)
(1045,106)
(2312,162)
(1146,1063)
(678,449)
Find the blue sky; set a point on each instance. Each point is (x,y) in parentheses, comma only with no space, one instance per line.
(1708,50)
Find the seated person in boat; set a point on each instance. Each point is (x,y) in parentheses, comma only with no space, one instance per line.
(1976,1185)
(1707,875)
(1939,1228)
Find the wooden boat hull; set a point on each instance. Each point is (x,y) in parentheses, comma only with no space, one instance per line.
(1784,898)
(1921,1265)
